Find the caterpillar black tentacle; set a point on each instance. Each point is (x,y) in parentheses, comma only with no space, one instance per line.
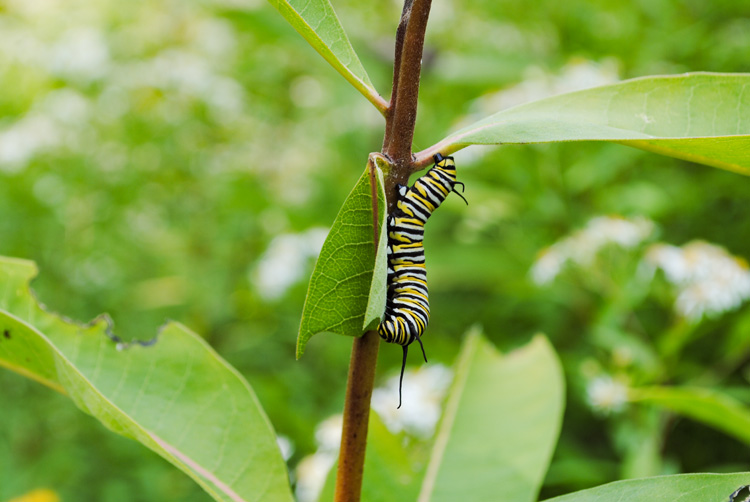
(407,309)
(463,189)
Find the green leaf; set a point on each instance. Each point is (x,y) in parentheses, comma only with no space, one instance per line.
(379,285)
(338,297)
(388,473)
(173,394)
(700,117)
(708,406)
(500,425)
(317,22)
(682,488)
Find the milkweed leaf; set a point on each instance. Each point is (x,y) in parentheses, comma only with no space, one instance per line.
(173,394)
(700,117)
(500,424)
(317,22)
(682,487)
(338,297)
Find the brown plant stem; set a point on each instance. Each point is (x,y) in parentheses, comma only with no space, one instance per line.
(397,143)
(356,417)
(407,68)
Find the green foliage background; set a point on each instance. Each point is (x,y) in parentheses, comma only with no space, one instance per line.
(174,141)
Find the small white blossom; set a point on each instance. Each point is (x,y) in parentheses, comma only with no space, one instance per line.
(606,395)
(423,393)
(285,261)
(581,246)
(328,433)
(311,474)
(81,53)
(286,446)
(548,265)
(313,470)
(709,280)
(27,137)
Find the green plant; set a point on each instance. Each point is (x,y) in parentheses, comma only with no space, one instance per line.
(479,436)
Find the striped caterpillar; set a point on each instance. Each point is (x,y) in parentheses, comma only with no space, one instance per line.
(407,309)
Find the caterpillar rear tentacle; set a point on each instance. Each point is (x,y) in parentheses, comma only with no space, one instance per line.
(407,310)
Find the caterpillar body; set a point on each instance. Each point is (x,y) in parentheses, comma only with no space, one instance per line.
(407,309)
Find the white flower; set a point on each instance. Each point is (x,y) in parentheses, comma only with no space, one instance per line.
(81,53)
(548,265)
(328,433)
(423,393)
(709,280)
(606,395)
(286,446)
(313,470)
(66,106)
(187,73)
(30,135)
(311,474)
(581,246)
(285,261)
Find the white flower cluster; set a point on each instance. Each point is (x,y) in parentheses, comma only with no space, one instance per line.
(55,120)
(285,261)
(583,245)
(423,393)
(606,395)
(185,66)
(709,280)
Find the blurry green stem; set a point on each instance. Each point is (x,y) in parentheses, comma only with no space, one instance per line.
(673,340)
(397,144)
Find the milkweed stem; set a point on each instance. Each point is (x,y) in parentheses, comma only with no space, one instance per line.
(356,417)
(397,146)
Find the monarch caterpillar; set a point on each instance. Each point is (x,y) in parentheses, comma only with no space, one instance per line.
(407,309)
(735,496)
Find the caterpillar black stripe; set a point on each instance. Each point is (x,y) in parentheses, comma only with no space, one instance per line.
(407,309)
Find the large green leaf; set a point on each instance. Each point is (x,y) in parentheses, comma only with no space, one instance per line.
(338,297)
(701,117)
(500,425)
(711,407)
(317,22)
(173,394)
(682,488)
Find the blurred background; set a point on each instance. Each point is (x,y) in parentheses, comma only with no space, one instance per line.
(184,160)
